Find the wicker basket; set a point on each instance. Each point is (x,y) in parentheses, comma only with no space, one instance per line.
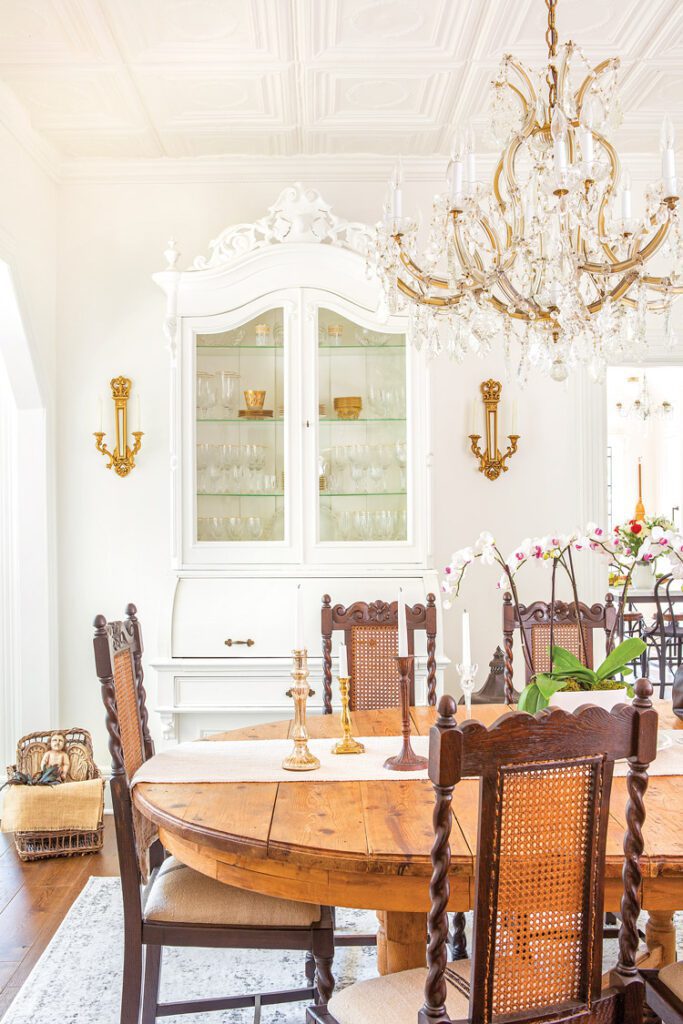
(30,751)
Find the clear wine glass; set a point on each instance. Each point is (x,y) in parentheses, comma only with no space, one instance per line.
(402,458)
(206,393)
(254,527)
(230,392)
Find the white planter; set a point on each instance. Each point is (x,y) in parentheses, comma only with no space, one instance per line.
(607,699)
(643,576)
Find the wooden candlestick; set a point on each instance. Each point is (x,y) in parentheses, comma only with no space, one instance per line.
(407,760)
(347,744)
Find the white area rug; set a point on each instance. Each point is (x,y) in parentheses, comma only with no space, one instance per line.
(78,978)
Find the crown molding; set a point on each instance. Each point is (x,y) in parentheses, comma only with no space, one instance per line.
(15,121)
(319,168)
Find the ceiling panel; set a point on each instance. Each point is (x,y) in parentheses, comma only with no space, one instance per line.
(189,78)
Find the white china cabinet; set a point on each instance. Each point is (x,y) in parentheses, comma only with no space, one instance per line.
(300,455)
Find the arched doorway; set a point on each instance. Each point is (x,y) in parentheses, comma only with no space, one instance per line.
(28,683)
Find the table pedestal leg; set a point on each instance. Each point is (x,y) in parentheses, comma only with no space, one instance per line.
(660,936)
(401,941)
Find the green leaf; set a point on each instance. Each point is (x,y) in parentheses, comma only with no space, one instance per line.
(565,660)
(529,699)
(619,658)
(548,685)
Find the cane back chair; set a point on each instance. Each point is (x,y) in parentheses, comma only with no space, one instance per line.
(544,794)
(180,906)
(371,637)
(542,627)
(664,992)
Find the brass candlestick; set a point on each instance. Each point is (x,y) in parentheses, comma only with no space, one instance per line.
(407,760)
(301,759)
(347,744)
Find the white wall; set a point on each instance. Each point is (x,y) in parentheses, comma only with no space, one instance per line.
(114,534)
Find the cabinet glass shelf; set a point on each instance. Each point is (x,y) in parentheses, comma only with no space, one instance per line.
(362,494)
(245,420)
(241,348)
(240,494)
(231,364)
(365,419)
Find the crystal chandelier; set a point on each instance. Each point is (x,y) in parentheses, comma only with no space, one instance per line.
(550,253)
(642,407)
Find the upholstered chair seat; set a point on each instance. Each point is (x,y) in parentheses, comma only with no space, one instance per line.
(180,895)
(672,977)
(398,997)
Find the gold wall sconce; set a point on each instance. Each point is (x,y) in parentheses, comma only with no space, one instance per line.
(123,457)
(491,462)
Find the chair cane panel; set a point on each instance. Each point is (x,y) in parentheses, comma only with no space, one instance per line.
(563,635)
(128,712)
(543,878)
(375,680)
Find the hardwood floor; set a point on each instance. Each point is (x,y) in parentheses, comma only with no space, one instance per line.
(33,901)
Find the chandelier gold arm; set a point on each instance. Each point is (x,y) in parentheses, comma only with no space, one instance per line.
(591,78)
(426,279)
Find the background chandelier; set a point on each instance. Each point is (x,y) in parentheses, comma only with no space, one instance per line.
(550,254)
(643,408)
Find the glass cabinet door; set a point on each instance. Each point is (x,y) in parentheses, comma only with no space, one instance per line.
(362,449)
(240,440)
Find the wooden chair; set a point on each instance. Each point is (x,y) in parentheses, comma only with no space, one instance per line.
(664,637)
(538,623)
(544,799)
(371,637)
(182,907)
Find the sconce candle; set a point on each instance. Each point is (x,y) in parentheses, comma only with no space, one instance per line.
(123,456)
(492,462)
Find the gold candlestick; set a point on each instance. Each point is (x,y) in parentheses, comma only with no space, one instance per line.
(347,744)
(301,759)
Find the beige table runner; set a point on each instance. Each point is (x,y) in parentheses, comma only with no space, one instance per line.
(260,761)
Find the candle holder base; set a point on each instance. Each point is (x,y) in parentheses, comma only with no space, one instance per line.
(407,760)
(301,760)
(348,745)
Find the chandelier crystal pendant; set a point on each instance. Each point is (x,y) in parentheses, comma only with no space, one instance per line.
(549,253)
(643,407)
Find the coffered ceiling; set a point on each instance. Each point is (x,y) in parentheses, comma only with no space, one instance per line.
(155,81)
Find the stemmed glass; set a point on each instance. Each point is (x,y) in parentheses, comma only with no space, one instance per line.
(230,392)
(467,675)
(401,458)
(206,392)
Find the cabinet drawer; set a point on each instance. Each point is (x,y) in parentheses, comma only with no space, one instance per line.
(226,691)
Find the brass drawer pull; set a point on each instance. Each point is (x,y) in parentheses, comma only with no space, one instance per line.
(246,643)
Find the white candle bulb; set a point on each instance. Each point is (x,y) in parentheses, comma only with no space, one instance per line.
(466,647)
(402,626)
(343,662)
(558,130)
(138,415)
(100,414)
(397,191)
(299,636)
(626,198)
(515,417)
(471,160)
(455,169)
(473,417)
(666,142)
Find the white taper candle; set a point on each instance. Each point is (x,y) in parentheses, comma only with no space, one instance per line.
(402,626)
(466,648)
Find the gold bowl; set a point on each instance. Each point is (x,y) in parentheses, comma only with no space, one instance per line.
(254,399)
(348,408)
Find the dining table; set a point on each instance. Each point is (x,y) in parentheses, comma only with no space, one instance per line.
(366,844)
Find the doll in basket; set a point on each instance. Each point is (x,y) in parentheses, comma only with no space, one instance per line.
(57,756)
